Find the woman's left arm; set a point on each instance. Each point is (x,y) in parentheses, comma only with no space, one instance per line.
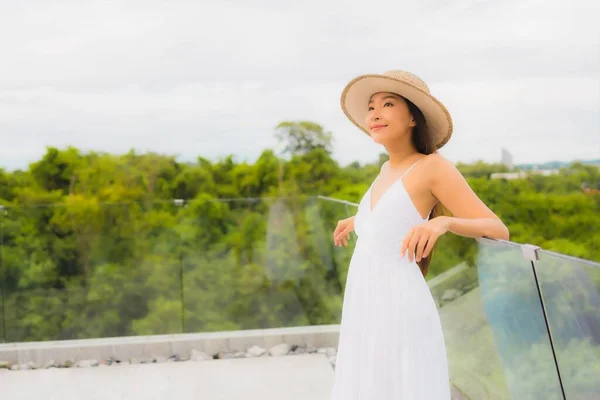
(471,217)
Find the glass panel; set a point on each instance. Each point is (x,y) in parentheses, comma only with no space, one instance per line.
(514,313)
(151,281)
(571,294)
(3,337)
(475,368)
(33,311)
(333,211)
(495,333)
(261,263)
(88,269)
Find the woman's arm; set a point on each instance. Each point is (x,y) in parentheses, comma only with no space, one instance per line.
(479,227)
(471,217)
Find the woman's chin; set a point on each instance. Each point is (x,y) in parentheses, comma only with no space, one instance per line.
(385,138)
(378,138)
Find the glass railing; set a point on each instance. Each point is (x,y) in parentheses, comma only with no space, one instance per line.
(519,322)
(87,270)
(570,291)
(497,339)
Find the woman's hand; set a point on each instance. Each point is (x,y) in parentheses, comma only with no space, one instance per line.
(420,240)
(341,234)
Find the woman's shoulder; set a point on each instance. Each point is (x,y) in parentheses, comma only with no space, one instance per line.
(436,159)
(436,165)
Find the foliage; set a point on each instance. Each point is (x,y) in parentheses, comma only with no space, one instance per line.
(96,245)
(301,137)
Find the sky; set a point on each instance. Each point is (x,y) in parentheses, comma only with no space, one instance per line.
(214,77)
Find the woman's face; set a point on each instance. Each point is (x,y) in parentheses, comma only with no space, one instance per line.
(389,120)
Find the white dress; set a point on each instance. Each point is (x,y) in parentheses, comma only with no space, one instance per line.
(391,343)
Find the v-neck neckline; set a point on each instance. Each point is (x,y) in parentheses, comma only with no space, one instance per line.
(372,206)
(408,198)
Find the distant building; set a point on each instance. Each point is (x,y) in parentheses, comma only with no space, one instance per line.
(591,188)
(523,174)
(507,159)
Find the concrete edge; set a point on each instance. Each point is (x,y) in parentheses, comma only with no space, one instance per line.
(122,348)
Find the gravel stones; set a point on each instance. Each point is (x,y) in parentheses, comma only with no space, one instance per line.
(279,350)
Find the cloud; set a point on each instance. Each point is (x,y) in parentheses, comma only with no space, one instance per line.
(214,77)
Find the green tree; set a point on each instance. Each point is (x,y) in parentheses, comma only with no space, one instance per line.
(301,137)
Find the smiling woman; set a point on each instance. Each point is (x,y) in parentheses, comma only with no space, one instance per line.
(388,310)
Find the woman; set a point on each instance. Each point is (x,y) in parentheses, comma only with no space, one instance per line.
(391,344)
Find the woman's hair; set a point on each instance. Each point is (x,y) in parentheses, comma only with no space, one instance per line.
(423,142)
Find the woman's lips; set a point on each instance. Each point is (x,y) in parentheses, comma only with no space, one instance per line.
(377,127)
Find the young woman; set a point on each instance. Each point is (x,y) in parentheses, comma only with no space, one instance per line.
(391,344)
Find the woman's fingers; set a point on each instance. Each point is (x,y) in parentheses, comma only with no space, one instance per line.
(405,243)
(336,232)
(344,236)
(430,243)
(412,245)
(420,246)
(341,235)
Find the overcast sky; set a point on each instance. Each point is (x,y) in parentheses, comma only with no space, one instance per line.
(214,77)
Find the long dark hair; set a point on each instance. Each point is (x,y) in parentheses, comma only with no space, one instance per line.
(424,144)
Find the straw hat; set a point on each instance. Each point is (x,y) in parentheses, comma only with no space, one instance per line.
(358,92)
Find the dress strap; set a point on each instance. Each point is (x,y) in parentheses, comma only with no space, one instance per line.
(409,168)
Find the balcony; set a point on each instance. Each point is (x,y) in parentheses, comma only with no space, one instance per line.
(248,292)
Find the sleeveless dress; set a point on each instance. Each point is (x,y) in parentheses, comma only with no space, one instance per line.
(391,344)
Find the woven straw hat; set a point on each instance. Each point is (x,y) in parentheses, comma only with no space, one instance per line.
(358,92)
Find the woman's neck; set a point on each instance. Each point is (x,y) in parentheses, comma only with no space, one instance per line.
(399,158)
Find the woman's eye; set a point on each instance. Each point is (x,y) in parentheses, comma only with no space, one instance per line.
(385,105)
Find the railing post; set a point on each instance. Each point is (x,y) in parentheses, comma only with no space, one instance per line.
(181,203)
(3,277)
(531,253)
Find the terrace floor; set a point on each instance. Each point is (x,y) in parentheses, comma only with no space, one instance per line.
(297,377)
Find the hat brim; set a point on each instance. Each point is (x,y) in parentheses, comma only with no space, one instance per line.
(357,94)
